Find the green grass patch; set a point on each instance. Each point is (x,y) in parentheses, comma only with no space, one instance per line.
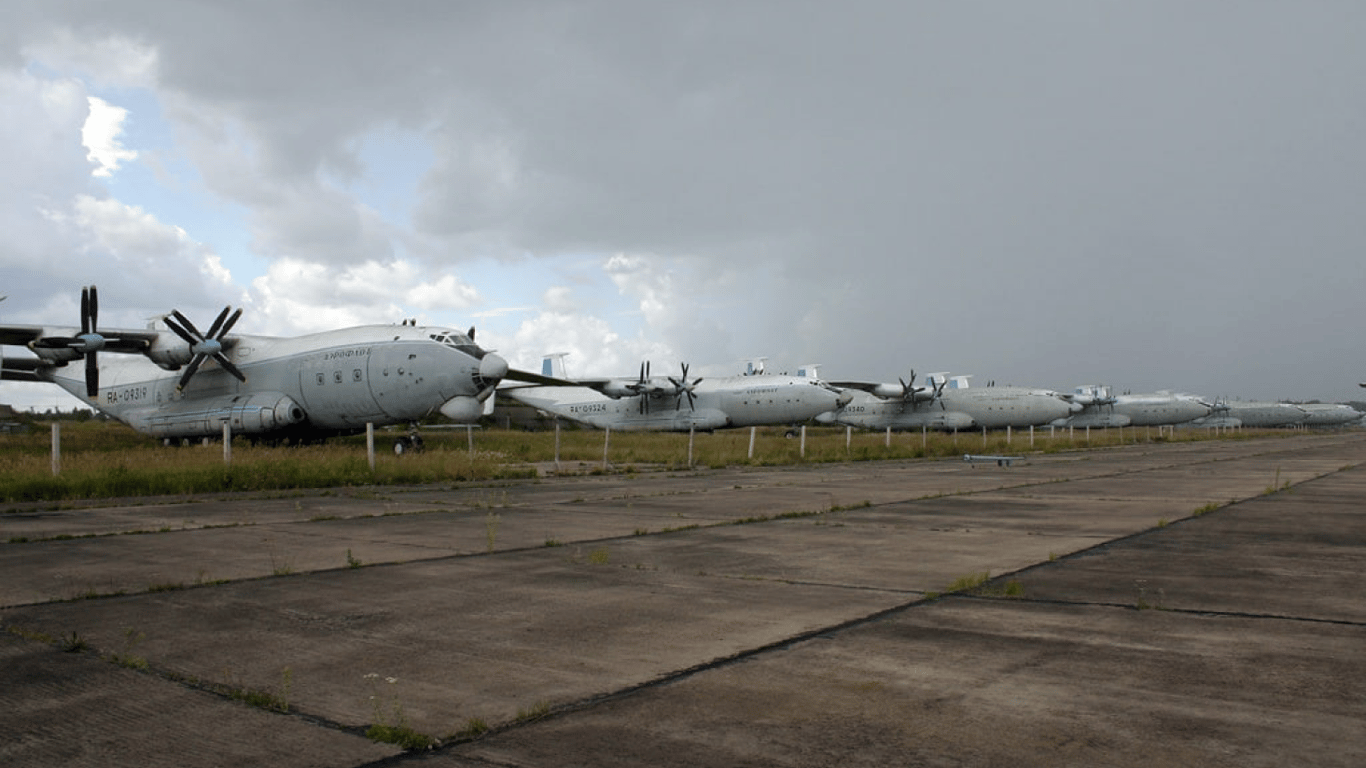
(107,460)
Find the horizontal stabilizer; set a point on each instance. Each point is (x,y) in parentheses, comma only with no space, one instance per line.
(22,368)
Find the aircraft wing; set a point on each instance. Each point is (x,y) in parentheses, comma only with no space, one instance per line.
(18,335)
(902,390)
(21,369)
(115,339)
(535,378)
(866,386)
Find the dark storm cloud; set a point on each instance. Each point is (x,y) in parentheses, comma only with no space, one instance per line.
(1152,195)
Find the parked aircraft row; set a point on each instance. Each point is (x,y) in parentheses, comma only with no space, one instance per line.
(172,380)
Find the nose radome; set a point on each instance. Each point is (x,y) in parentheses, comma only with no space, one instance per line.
(492,368)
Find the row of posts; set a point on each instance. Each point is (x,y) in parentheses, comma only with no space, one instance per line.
(607,441)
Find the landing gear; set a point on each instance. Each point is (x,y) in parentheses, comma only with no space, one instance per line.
(408,444)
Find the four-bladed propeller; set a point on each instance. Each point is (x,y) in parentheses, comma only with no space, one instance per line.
(644,387)
(87,343)
(205,346)
(683,387)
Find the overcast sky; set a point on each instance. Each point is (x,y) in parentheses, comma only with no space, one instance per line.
(1150,195)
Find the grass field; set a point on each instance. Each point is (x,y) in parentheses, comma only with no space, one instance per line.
(105,459)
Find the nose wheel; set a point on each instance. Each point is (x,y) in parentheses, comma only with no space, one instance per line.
(410,443)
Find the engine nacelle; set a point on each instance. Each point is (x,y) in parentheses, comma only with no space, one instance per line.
(888,391)
(169,355)
(462,409)
(619,389)
(244,415)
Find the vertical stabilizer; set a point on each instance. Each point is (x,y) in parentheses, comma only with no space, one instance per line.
(553,365)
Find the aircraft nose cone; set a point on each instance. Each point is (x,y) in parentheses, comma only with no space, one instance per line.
(492,368)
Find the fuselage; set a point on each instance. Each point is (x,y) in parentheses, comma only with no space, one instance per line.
(1256,414)
(1143,410)
(332,382)
(1000,407)
(1329,414)
(717,403)
(954,409)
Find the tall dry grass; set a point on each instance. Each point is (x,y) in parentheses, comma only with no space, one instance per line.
(107,460)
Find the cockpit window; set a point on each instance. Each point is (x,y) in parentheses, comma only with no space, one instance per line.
(459,341)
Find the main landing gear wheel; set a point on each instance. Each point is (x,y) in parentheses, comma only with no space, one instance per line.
(409,444)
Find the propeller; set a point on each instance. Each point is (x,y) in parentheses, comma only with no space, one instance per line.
(87,343)
(939,390)
(641,387)
(205,346)
(682,387)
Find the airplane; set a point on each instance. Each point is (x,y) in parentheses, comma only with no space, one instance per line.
(946,403)
(174,382)
(1238,413)
(1328,414)
(1101,408)
(680,404)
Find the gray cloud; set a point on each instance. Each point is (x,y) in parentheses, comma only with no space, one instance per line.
(1151,195)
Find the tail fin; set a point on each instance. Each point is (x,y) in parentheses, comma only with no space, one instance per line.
(552,365)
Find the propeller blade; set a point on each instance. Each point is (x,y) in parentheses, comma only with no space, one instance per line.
(189,371)
(217,323)
(229,367)
(85,310)
(189,326)
(92,375)
(181,332)
(233,321)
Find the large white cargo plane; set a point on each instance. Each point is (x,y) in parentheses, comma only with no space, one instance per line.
(177,382)
(1103,409)
(678,404)
(947,404)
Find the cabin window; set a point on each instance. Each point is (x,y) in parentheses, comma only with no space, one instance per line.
(336,376)
(320,378)
(356,375)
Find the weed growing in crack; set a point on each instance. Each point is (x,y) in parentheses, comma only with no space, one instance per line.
(390,725)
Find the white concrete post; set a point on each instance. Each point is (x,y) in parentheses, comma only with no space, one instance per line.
(691,433)
(370,444)
(56,448)
(227,444)
(752,431)
(803,441)
(606,441)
